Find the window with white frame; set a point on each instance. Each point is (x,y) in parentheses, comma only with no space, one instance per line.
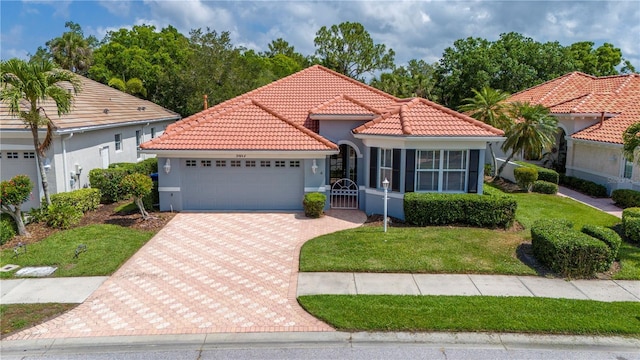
(628,169)
(386,166)
(427,170)
(138,138)
(118,140)
(153,132)
(441,170)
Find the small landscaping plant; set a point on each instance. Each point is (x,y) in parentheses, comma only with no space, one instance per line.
(137,185)
(584,186)
(82,199)
(492,212)
(14,193)
(544,174)
(568,252)
(108,182)
(631,223)
(314,204)
(63,216)
(525,177)
(607,236)
(545,187)
(7,230)
(626,198)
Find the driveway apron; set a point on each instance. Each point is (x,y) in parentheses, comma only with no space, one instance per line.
(205,273)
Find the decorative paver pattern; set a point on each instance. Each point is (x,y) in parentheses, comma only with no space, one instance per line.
(205,273)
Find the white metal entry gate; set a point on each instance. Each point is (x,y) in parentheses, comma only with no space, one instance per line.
(344,194)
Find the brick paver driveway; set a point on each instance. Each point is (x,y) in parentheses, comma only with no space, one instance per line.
(205,273)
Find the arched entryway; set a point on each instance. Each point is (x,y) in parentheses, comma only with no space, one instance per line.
(343,178)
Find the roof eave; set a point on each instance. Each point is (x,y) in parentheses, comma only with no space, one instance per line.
(241,154)
(431,138)
(113,125)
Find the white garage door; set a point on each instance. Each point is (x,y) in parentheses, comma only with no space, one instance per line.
(242,184)
(14,163)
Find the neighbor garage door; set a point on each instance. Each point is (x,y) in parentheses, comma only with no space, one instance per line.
(242,184)
(14,163)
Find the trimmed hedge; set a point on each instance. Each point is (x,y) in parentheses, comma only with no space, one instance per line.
(491,191)
(584,186)
(314,204)
(626,198)
(545,187)
(108,182)
(607,236)
(424,209)
(525,177)
(63,216)
(631,223)
(566,251)
(81,199)
(544,174)
(148,166)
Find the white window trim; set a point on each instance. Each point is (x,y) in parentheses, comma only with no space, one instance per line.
(380,168)
(117,143)
(441,171)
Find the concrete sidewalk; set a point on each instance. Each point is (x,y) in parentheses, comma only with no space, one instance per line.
(604,204)
(466,285)
(73,290)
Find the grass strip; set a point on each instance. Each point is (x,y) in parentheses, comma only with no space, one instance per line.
(108,247)
(475,314)
(21,316)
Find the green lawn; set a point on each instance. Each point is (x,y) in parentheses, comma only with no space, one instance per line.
(455,249)
(415,250)
(108,246)
(15,317)
(474,313)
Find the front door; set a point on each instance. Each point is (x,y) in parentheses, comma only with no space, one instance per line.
(343,170)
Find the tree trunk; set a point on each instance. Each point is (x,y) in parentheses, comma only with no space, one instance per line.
(140,204)
(16,214)
(40,156)
(504,165)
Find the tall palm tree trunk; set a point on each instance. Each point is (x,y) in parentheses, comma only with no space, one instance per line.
(494,169)
(40,157)
(505,164)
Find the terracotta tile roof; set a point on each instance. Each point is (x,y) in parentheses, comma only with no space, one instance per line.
(279,115)
(578,93)
(89,109)
(247,125)
(421,117)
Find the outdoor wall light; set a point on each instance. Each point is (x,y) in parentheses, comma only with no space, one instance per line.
(47,164)
(314,166)
(167,166)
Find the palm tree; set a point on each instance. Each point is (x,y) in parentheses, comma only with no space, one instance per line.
(631,139)
(534,129)
(489,106)
(35,82)
(71,51)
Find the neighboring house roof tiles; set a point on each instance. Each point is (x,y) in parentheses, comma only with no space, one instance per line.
(95,105)
(618,97)
(279,116)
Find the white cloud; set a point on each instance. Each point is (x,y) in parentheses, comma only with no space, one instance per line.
(61,7)
(116,7)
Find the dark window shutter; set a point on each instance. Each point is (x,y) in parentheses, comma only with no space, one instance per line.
(373,168)
(410,169)
(474,159)
(395,173)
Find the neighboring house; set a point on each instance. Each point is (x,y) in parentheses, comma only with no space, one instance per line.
(592,112)
(317,131)
(104,126)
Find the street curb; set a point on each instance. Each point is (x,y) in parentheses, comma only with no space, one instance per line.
(314,339)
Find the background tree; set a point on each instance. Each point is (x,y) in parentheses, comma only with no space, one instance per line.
(533,130)
(14,193)
(348,49)
(489,106)
(138,185)
(598,62)
(280,47)
(36,82)
(416,79)
(72,51)
(631,139)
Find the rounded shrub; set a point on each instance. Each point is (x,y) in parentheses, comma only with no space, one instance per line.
(525,177)
(631,223)
(626,198)
(314,204)
(63,216)
(606,235)
(544,187)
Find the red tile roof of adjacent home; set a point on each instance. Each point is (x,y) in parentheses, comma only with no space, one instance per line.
(283,116)
(96,105)
(617,98)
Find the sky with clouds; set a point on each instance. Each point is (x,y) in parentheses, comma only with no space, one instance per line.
(413,29)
